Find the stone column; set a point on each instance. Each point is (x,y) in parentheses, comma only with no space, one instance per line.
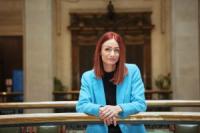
(185,50)
(38,51)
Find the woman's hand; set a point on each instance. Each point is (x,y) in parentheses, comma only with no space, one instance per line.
(109,114)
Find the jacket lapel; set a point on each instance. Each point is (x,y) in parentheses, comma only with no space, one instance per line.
(121,91)
(99,91)
(120,94)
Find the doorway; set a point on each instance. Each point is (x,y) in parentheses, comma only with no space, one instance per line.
(135,29)
(11,58)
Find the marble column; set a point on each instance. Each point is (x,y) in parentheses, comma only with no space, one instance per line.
(185,51)
(38,42)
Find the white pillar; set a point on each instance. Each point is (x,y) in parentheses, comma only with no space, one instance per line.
(185,50)
(38,43)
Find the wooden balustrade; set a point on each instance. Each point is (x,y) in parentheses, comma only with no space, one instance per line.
(71,104)
(80,118)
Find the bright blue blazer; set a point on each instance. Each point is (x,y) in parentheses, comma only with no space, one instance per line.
(130,97)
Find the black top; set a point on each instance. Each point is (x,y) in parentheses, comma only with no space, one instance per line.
(110,94)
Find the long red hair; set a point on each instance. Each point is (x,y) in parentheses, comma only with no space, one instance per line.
(121,69)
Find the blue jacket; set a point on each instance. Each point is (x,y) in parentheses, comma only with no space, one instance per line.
(130,97)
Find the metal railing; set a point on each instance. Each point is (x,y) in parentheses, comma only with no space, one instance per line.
(28,121)
(81,118)
(71,104)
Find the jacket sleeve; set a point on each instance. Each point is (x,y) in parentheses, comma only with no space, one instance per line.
(85,103)
(137,102)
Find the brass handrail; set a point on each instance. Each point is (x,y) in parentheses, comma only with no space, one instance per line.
(71,104)
(64,118)
(173,103)
(38,105)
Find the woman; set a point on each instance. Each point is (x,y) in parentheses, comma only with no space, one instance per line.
(112,89)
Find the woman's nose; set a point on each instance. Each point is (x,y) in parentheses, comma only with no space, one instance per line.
(112,52)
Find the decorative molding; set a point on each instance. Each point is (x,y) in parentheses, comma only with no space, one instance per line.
(101,21)
(134,27)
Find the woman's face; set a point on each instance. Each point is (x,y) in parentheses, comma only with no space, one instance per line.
(110,52)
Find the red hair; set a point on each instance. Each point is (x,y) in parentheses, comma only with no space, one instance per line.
(121,69)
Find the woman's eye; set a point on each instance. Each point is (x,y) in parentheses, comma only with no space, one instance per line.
(117,50)
(108,49)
